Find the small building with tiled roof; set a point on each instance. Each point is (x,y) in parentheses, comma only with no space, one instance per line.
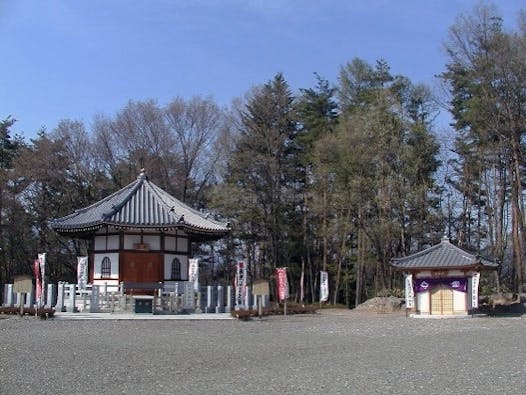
(139,234)
(442,279)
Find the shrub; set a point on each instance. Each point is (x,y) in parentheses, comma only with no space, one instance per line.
(42,312)
(396,292)
(277,310)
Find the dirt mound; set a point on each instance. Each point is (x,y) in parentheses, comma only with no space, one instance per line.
(390,304)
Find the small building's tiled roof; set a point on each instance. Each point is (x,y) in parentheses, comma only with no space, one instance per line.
(141,204)
(442,256)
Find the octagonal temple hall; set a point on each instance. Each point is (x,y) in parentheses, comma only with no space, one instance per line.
(139,234)
(442,279)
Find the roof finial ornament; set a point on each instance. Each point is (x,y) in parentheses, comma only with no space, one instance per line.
(142,174)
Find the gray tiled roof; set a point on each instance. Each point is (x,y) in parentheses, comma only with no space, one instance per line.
(141,204)
(442,255)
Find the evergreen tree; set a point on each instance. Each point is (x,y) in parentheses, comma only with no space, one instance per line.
(486,73)
(262,169)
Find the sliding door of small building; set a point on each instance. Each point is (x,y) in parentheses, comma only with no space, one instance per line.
(441,300)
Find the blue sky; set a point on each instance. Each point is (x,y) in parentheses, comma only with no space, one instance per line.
(74,59)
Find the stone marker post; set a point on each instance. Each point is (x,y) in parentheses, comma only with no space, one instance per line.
(60,306)
(228,307)
(72,308)
(9,295)
(220,297)
(209,297)
(50,298)
(29,299)
(95,299)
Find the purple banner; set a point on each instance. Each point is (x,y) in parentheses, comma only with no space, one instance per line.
(425,284)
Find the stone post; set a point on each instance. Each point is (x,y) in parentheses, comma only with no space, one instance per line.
(172,306)
(51,298)
(220,297)
(228,307)
(254,300)
(29,299)
(16,299)
(265,300)
(72,308)
(105,291)
(248,298)
(112,302)
(188,297)
(59,306)
(19,299)
(95,299)
(197,294)
(209,297)
(9,295)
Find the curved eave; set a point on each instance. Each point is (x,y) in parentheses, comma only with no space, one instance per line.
(87,230)
(475,266)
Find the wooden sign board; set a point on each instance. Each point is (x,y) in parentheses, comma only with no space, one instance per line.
(260,287)
(141,246)
(22,284)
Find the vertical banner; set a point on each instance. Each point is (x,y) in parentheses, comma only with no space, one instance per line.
(82,271)
(282,283)
(475,290)
(193,273)
(42,264)
(240,285)
(38,282)
(409,292)
(324,286)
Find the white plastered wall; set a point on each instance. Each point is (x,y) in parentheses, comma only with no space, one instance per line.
(168,258)
(97,263)
(110,242)
(422,300)
(459,301)
(459,297)
(176,244)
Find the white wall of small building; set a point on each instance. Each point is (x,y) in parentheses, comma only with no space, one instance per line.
(176,245)
(460,299)
(423,302)
(97,264)
(110,242)
(168,258)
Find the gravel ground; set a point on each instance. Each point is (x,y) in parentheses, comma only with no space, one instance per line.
(329,353)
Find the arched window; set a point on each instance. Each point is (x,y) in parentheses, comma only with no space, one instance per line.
(176,269)
(105,267)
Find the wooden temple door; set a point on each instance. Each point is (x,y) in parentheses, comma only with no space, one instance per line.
(441,300)
(142,267)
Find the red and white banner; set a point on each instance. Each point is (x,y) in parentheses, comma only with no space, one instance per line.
(282,283)
(38,281)
(324,286)
(42,261)
(240,285)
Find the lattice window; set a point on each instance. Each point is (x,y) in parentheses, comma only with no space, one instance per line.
(105,267)
(176,269)
(442,301)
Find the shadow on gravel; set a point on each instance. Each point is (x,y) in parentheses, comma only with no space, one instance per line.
(511,310)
